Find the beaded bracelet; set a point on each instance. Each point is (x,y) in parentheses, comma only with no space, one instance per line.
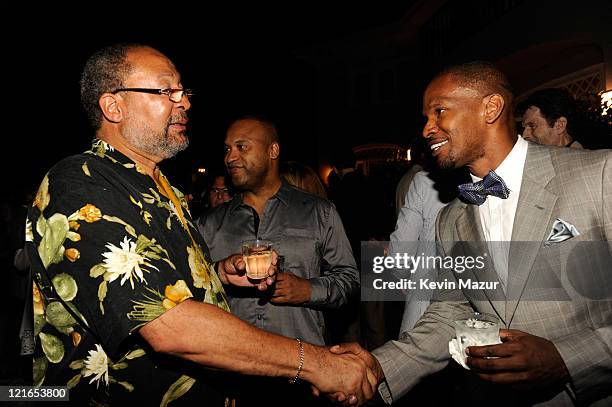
(301,365)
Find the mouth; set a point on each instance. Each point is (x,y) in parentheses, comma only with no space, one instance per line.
(436,146)
(233,169)
(180,124)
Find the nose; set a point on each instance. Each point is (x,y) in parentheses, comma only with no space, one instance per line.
(185,103)
(429,129)
(231,155)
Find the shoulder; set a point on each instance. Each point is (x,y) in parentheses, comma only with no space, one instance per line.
(564,153)
(453,209)
(575,172)
(213,216)
(72,164)
(300,197)
(571,159)
(409,175)
(73,172)
(422,179)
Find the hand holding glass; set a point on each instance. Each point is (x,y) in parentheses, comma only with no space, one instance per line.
(257,255)
(476,329)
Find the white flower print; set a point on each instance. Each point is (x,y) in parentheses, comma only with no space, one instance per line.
(97,364)
(125,261)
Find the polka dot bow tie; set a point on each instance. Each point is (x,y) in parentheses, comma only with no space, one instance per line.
(476,192)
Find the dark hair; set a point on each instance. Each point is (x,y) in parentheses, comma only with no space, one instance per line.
(553,103)
(483,76)
(217,173)
(104,71)
(266,123)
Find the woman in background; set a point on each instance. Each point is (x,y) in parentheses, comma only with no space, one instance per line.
(303,177)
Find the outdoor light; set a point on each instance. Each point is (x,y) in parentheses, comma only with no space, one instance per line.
(325,171)
(606,101)
(201,170)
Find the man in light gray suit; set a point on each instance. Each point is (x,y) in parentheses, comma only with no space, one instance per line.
(553,207)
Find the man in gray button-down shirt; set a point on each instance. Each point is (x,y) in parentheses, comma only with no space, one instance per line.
(319,268)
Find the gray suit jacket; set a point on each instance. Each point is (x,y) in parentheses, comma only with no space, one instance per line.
(550,287)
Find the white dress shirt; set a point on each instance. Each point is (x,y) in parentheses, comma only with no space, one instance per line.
(497,214)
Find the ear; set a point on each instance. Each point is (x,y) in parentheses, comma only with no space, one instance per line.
(560,125)
(111,107)
(494,106)
(274,150)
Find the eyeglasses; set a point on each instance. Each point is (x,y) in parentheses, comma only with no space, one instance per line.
(219,191)
(174,94)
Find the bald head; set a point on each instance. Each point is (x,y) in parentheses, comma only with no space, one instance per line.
(251,153)
(267,127)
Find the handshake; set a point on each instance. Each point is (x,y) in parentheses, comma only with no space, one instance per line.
(347,374)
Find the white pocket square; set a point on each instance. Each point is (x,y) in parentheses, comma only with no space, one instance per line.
(561,232)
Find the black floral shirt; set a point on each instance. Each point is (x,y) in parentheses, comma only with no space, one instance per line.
(110,253)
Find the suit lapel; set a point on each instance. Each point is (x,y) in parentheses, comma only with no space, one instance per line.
(532,222)
(469,231)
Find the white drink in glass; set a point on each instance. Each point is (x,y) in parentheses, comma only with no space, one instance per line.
(477,329)
(257,254)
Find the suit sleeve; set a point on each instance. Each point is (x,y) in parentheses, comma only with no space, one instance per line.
(423,350)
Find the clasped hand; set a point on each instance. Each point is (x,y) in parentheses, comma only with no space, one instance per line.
(355,380)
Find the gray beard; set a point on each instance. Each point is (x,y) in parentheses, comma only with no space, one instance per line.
(159,144)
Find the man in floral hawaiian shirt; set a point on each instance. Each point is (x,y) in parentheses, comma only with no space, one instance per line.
(126,305)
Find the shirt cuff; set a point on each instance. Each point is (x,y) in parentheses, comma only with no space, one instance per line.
(385,393)
(388,359)
(318,292)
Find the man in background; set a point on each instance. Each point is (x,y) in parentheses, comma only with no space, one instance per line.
(549,117)
(318,270)
(219,191)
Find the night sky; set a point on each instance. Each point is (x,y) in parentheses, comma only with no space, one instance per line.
(243,60)
(239,60)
